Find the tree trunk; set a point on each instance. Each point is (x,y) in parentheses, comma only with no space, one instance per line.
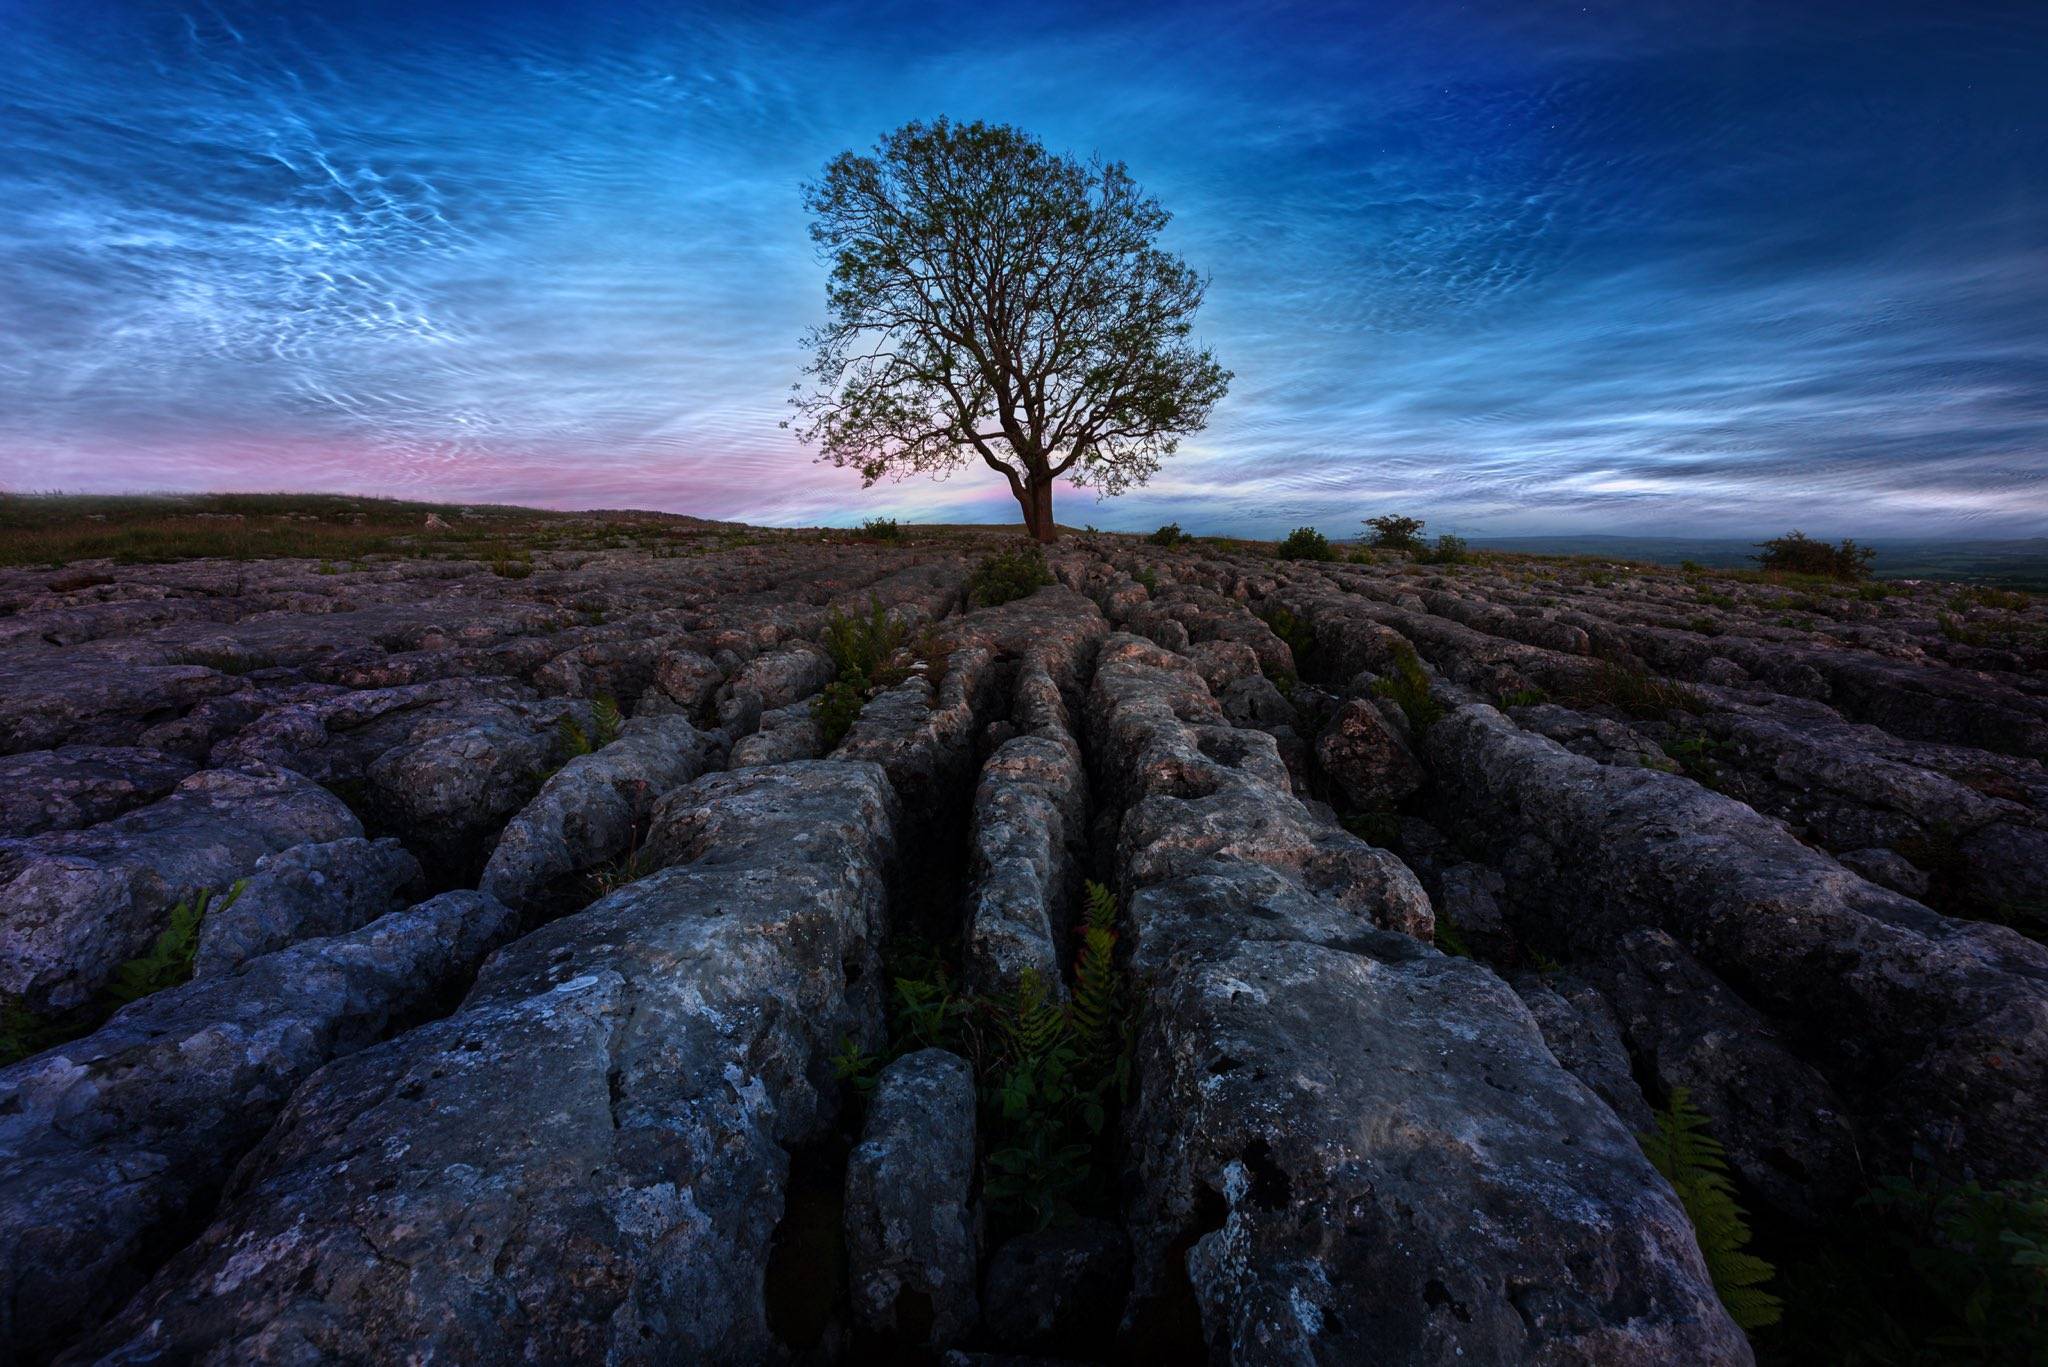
(1036,500)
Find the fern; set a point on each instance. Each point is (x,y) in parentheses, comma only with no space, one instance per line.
(169,961)
(606,714)
(1097,1010)
(1696,1165)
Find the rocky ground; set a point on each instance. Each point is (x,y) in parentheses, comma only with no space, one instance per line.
(581,996)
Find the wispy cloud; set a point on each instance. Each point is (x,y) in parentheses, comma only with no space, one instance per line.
(1669,267)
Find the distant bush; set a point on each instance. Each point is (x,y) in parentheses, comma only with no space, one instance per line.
(1169,535)
(1395,533)
(1450,550)
(881,529)
(1798,553)
(1008,575)
(1305,543)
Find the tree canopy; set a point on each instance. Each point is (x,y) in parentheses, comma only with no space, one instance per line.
(992,300)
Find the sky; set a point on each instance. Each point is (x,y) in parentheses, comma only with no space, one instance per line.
(1515,267)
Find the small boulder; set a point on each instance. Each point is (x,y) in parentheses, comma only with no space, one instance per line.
(1363,756)
(911,1232)
(327,888)
(1058,1291)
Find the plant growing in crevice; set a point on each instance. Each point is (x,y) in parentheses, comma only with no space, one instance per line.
(1696,1165)
(1408,686)
(605,724)
(1632,691)
(169,960)
(1052,1075)
(1298,635)
(1008,575)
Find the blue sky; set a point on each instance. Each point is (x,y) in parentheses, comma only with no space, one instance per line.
(1515,267)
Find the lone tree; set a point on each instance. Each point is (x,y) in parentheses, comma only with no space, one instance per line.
(991,299)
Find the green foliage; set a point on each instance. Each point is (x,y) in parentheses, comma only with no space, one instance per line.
(1396,533)
(1523,697)
(1305,543)
(1145,576)
(1723,601)
(1450,550)
(1052,1074)
(1798,553)
(506,567)
(1449,940)
(837,708)
(169,960)
(1299,636)
(1923,1274)
(1061,249)
(605,724)
(881,529)
(1701,757)
(864,644)
(1008,575)
(1632,691)
(1874,592)
(1407,684)
(1169,535)
(23,1032)
(1695,1164)
(1381,826)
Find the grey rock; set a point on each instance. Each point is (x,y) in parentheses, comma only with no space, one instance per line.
(1578,1026)
(586,1162)
(1366,758)
(75,904)
(1786,1133)
(1469,898)
(1029,833)
(595,808)
(912,1233)
(81,785)
(1887,869)
(304,892)
(110,1145)
(1934,1031)
(1058,1290)
(787,733)
(1301,1073)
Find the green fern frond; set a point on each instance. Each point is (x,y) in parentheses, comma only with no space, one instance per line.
(1034,1026)
(1696,1165)
(1100,912)
(1096,1006)
(169,961)
(608,720)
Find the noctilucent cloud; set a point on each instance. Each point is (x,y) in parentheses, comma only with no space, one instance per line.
(1515,266)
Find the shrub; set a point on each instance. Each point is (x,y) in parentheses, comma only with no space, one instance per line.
(881,529)
(1632,691)
(1395,533)
(1693,1161)
(838,707)
(1450,550)
(1144,575)
(507,568)
(1798,553)
(1008,575)
(1305,543)
(1169,535)
(864,644)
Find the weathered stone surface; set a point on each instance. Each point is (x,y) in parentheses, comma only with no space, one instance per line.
(81,785)
(111,1145)
(1364,756)
(1578,1027)
(304,892)
(75,904)
(595,808)
(787,733)
(1934,1031)
(1029,833)
(1058,1290)
(912,1232)
(1158,735)
(586,1161)
(1786,1133)
(1283,1044)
